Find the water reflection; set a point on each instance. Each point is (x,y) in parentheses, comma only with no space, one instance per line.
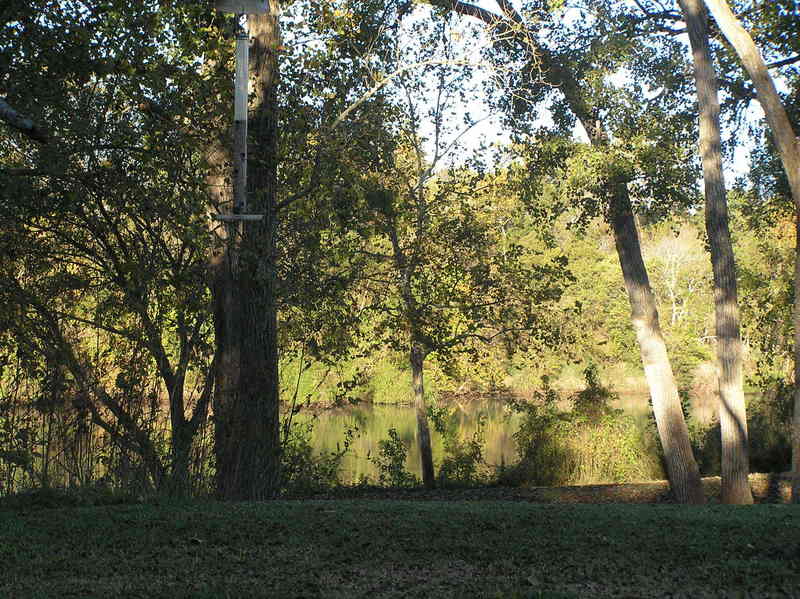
(371,423)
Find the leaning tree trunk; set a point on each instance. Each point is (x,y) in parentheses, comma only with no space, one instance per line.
(732,412)
(423,431)
(789,150)
(247,432)
(682,470)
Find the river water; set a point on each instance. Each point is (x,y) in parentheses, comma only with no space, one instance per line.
(370,423)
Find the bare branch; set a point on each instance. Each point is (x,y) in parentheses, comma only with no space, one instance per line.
(784,62)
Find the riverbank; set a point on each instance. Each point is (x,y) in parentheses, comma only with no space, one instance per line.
(766,487)
(359,548)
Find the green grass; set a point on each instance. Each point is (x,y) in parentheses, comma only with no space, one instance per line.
(369,548)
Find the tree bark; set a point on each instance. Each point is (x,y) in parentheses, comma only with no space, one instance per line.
(732,412)
(796,323)
(223,266)
(423,432)
(682,470)
(684,476)
(789,150)
(247,431)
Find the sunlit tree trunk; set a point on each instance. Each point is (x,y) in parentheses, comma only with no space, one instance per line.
(682,470)
(684,476)
(789,150)
(732,412)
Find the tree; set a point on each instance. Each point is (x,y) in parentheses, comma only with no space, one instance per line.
(733,418)
(110,298)
(438,281)
(563,72)
(254,268)
(247,437)
(789,151)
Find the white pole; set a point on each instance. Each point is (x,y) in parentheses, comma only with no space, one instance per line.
(240,117)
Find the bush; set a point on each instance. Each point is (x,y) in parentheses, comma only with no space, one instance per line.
(53,498)
(463,463)
(769,424)
(589,443)
(391,462)
(303,472)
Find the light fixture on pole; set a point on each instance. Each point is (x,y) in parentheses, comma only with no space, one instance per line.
(241,8)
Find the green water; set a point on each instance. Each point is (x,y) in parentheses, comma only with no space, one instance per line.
(370,424)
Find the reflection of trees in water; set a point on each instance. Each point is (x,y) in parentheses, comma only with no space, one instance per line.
(373,422)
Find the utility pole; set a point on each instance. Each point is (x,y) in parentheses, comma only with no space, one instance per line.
(241,8)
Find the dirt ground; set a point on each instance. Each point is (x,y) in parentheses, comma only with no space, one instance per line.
(767,488)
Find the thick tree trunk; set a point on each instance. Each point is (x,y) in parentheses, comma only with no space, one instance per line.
(228,343)
(796,322)
(789,150)
(247,432)
(423,431)
(732,412)
(224,264)
(682,469)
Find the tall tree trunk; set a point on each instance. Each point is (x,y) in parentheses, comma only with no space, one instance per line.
(684,476)
(796,322)
(789,150)
(247,432)
(732,412)
(682,470)
(423,432)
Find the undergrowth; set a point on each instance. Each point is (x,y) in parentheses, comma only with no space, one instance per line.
(589,442)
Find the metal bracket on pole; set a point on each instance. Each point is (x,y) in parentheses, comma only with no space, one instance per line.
(240,118)
(237,217)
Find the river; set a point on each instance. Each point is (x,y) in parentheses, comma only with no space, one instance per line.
(370,423)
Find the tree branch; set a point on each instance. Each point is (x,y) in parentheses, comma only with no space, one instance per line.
(21,123)
(784,62)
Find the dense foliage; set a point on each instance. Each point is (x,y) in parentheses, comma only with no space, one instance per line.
(401,235)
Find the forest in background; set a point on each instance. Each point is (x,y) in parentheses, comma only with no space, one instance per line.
(146,345)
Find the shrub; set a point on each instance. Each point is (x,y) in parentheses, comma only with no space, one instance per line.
(591,442)
(304,472)
(391,462)
(50,498)
(463,463)
(768,428)
(769,424)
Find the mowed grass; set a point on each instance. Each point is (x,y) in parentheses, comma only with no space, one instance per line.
(368,548)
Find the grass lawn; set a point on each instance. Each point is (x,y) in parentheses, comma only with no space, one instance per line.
(386,548)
